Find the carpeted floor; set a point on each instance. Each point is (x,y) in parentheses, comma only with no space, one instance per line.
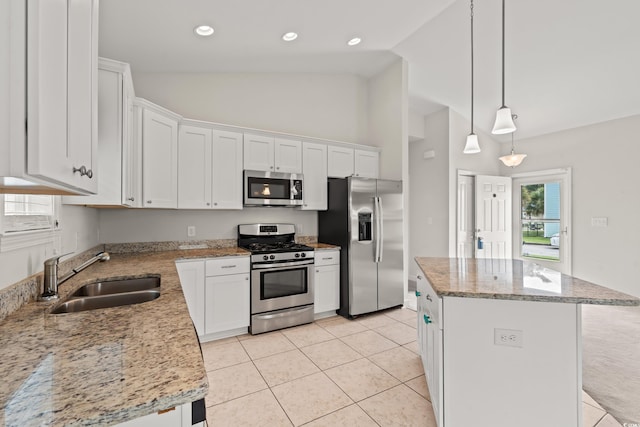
(611,359)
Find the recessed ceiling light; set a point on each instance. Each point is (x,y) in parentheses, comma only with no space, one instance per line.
(290,36)
(354,41)
(203,30)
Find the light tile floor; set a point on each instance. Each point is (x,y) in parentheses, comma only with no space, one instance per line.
(333,372)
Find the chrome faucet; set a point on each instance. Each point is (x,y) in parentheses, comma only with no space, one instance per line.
(51,280)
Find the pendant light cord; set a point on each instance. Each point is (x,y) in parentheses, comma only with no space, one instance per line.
(503,105)
(471,7)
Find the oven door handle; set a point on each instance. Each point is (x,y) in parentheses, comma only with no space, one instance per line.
(276,265)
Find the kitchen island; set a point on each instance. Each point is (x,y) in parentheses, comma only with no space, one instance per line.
(501,341)
(106,366)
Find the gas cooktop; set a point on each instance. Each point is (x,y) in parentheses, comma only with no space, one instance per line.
(275,247)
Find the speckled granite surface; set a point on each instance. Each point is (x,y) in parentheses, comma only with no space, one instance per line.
(102,367)
(514,280)
(322,246)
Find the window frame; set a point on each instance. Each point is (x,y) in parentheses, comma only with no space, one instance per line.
(14,240)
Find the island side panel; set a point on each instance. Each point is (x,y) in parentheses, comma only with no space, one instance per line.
(536,384)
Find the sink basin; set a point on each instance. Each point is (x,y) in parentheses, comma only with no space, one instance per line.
(74,305)
(118,286)
(110,293)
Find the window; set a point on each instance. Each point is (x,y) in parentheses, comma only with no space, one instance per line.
(26,212)
(28,220)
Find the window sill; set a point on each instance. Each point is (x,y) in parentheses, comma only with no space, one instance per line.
(26,239)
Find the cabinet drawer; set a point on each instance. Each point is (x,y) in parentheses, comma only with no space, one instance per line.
(326,258)
(433,303)
(227,265)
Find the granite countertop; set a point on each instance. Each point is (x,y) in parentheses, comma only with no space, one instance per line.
(514,280)
(323,246)
(102,367)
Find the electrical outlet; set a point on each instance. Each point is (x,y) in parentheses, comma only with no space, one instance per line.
(507,337)
(191,231)
(599,221)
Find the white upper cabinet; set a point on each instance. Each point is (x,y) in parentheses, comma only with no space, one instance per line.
(115,141)
(227,170)
(288,155)
(258,152)
(314,169)
(209,168)
(55,57)
(266,153)
(366,163)
(194,167)
(340,161)
(159,159)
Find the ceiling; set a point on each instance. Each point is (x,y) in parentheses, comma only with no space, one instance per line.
(568,63)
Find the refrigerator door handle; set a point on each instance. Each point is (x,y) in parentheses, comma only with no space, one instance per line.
(381,227)
(378,213)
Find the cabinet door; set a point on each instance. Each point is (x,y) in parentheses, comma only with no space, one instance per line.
(314,169)
(194,167)
(131,147)
(288,155)
(327,288)
(340,162)
(227,170)
(159,160)
(366,163)
(258,152)
(192,280)
(227,303)
(61,98)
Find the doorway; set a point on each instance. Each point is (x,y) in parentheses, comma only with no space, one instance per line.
(542,216)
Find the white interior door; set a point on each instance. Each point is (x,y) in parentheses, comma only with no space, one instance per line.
(465,216)
(493,217)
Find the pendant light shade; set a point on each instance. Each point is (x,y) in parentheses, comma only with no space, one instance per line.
(472,146)
(504,123)
(512,160)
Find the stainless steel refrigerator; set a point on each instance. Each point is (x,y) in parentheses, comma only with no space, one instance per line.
(364,218)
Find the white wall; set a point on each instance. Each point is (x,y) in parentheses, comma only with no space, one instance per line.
(331,106)
(157,225)
(428,193)
(388,118)
(78,233)
(602,157)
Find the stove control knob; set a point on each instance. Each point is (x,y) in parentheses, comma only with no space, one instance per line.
(272,257)
(265,257)
(303,255)
(297,255)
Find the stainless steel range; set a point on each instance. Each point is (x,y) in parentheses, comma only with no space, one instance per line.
(281,276)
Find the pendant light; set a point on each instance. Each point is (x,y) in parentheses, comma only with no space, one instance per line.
(512,160)
(504,122)
(472,146)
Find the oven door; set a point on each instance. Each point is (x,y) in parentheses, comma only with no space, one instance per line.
(278,286)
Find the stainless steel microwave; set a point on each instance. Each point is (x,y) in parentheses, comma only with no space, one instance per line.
(272,188)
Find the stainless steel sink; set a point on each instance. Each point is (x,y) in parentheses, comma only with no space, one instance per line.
(74,305)
(110,293)
(118,286)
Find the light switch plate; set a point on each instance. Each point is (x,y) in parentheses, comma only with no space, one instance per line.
(508,337)
(599,221)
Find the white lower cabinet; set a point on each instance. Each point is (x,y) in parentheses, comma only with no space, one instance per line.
(326,292)
(500,356)
(227,297)
(192,279)
(217,292)
(178,416)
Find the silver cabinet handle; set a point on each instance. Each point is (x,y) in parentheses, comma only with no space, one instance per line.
(149,201)
(428,297)
(83,171)
(327,258)
(317,271)
(228,266)
(419,277)
(215,203)
(131,199)
(208,204)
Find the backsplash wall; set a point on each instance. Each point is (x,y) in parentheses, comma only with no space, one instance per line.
(158,225)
